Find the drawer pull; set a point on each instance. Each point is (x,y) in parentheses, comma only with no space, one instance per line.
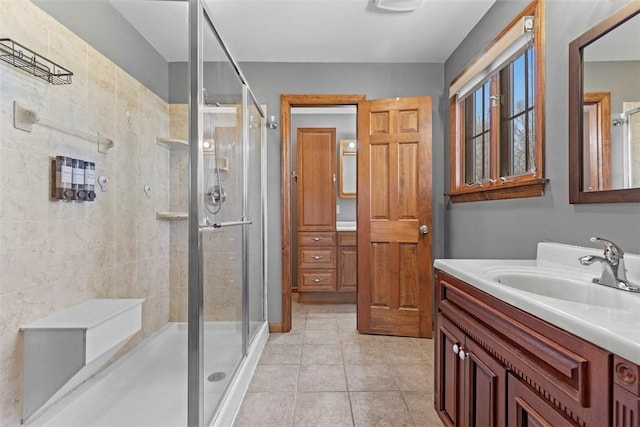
(316,257)
(317,280)
(316,239)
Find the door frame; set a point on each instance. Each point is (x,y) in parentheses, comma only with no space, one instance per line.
(286,102)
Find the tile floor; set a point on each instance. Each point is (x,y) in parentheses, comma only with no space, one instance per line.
(323,373)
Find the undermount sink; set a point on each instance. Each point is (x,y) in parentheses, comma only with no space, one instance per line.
(561,286)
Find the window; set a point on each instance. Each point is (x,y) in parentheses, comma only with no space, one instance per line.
(497,117)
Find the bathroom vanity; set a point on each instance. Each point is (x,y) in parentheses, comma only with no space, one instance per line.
(535,342)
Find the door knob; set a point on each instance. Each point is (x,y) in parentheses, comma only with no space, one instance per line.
(423,229)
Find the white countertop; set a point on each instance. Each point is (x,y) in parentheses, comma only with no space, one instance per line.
(346,226)
(613,329)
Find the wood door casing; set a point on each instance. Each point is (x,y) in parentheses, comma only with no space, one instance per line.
(287,101)
(316,168)
(394,200)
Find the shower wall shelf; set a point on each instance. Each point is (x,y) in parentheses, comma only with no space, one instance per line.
(171,216)
(27,60)
(173,144)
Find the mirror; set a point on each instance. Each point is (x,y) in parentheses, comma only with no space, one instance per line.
(604,111)
(347,168)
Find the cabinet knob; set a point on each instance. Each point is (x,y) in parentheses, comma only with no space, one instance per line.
(462,355)
(316,257)
(316,239)
(456,348)
(316,280)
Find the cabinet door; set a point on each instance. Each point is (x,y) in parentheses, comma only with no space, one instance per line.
(485,387)
(527,409)
(449,373)
(347,271)
(316,186)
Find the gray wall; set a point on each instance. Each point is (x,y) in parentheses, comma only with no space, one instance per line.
(104,28)
(511,228)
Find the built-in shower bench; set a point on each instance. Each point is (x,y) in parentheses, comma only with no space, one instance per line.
(64,349)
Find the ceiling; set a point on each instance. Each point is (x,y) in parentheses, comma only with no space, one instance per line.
(311,30)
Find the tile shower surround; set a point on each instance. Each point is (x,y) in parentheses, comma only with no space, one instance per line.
(54,254)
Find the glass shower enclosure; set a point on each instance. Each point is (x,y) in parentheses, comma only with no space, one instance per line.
(226,286)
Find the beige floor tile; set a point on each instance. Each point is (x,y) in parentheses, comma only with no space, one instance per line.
(281,354)
(266,409)
(403,352)
(346,322)
(369,378)
(346,308)
(274,378)
(362,353)
(321,354)
(353,336)
(379,408)
(413,377)
(421,409)
(290,338)
(321,308)
(323,409)
(327,324)
(319,336)
(390,379)
(322,378)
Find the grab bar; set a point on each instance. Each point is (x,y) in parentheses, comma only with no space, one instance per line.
(217,225)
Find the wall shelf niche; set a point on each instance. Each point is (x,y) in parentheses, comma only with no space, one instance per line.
(172,216)
(172,143)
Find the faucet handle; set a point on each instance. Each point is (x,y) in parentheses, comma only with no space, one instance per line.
(612,251)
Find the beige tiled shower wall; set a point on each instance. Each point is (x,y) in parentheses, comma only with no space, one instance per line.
(53,254)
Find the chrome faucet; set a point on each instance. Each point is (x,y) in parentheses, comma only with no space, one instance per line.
(614,273)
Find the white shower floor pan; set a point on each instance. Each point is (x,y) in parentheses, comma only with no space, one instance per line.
(148,386)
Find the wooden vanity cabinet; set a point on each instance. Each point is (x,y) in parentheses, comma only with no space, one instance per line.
(326,267)
(347,262)
(516,369)
(626,393)
(471,382)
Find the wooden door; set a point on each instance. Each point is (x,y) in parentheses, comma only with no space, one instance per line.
(316,169)
(394,201)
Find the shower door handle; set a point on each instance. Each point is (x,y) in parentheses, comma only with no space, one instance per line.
(217,225)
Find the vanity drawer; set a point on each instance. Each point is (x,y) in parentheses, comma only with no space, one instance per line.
(347,238)
(316,280)
(316,238)
(317,257)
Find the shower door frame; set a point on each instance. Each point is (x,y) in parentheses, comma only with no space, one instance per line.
(199,15)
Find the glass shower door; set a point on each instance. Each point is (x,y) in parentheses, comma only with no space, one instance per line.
(221,218)
(255,179)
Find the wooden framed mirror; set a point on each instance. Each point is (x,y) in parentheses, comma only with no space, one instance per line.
(347,168)
(604,139)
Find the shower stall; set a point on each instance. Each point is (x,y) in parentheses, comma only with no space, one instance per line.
(202,276)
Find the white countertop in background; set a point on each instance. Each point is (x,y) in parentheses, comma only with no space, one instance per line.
(614,329)
(346,226)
